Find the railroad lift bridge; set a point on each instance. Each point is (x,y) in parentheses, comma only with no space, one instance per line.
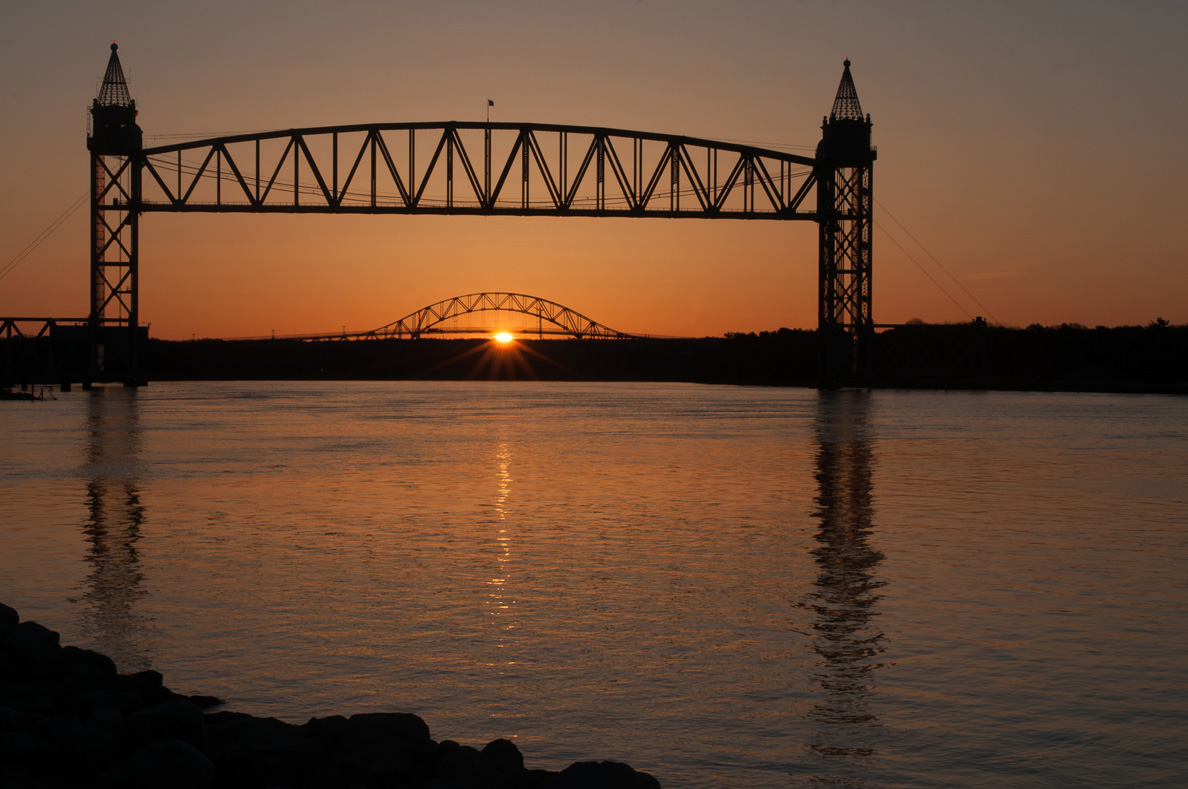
(472,168)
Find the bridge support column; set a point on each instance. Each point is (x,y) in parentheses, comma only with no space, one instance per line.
(115,146)
(845,199)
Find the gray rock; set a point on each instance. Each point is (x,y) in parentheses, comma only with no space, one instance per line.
(261,751)
(58,729)
(104,718)
(333,731)
(91,658)
(207,702)
(177,719)
(142,682)
(146,684)
(173,763)
(394,745)
(463,765)
(80,678)
(604,775)
(25,748)
(504,756)
(380,726)
(123,700)
(34,642)
(10,719)
(29,696)
(249,732)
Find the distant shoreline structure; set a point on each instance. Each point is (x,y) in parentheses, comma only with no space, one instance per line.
(1126,359)
(1151,359)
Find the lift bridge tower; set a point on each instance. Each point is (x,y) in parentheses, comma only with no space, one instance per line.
(114,141)
(844,168)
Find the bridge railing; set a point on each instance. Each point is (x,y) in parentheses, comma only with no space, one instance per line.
(479,168)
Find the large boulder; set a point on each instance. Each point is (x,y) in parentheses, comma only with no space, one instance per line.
(251,751)
(167,763)
(604,775)
(395,746)
(149,685)
(381,728)
(29,651)
(176,719)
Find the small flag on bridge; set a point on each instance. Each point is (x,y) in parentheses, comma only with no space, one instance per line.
(490,103)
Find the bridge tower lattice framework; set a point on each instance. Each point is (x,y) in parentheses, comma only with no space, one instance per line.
(115,144)
(845,218)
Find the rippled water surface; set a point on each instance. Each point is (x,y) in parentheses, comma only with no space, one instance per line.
(722,586)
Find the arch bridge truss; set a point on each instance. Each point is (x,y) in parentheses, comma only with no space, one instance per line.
(561,319)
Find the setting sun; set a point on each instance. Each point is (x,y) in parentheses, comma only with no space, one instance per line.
(504,337)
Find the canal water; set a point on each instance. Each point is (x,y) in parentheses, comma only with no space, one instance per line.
(723,586)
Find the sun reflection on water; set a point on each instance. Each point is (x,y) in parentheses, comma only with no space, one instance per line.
(499,601)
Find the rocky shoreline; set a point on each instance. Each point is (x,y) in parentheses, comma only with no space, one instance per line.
(68,718)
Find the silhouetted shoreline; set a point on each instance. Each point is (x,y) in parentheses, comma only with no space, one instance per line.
(965,356)
(1125,359)
(69,719)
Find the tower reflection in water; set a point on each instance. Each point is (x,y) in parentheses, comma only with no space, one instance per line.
(845,599)
(115,516)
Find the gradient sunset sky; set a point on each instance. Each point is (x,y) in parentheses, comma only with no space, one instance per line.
(1036,150)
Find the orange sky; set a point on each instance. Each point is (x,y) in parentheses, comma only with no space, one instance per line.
(1036,152)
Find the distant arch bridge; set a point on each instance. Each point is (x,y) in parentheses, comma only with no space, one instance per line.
(561,320)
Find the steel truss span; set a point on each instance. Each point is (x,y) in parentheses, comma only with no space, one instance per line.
(568,322)
(476,168)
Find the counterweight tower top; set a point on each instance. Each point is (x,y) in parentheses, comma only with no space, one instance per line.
(113,113)
(114,92)
(846,106)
